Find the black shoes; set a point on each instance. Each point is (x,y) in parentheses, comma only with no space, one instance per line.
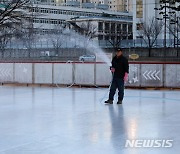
(109,101)
(119,102)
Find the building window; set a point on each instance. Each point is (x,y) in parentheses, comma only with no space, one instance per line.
(100,26)
(53,11)
(130,28)
(52,21)
(113,38)
(139,26)
(44,10)
(139,9)
(119,28)
(112,27)
(124,28)
(107,37)
(100,37)
(36,10)
(106,27)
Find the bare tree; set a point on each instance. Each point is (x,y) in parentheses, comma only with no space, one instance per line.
(6,34)
(11,11)
(58,38)
(28,37)
(115,40)
(89,31)
(85,28)
(118,33)
(150,31)
(175,30)
(28,34)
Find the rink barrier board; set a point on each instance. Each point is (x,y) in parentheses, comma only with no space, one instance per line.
(134,75)
(23,73)
(140,75)
(7,72)
(63,73)
(43,73)
(84,74)
(151,75)
(172,75)
(102,75)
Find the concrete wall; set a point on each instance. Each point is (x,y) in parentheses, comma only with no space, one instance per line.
(140,74)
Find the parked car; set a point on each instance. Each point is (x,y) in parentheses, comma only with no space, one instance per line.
(87,58)
(45,53)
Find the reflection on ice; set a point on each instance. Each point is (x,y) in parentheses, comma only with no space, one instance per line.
(73,120)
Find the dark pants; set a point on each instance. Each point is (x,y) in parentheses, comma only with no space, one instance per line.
(117,84)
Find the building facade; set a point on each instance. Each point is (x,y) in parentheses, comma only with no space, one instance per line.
(145,10)
(113,5)
(120,5)
(109,24)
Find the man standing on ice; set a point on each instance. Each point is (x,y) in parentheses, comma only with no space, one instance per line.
(120,70)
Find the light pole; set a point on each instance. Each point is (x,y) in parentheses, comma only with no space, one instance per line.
(177,22)
(173,21)
(165,18)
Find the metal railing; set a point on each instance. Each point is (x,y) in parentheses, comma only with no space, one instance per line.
(102,43)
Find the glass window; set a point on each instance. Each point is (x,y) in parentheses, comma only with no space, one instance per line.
(100,37)
(112,27)
(53,11)
(44,10)
(107,37)
(106,27)
(124,28)
(118,27)
(100,26)
(130,28)
(113,38)
(139,9)
(139,26)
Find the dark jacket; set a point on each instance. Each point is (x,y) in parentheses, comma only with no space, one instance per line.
(121,66)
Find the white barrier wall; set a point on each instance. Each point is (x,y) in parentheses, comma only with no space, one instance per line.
(84,74)
(172,75)
(134,75)
(23,73)
(6,72)
(43,73)
(152,75)
(103,75)
(140,75)
(63,73)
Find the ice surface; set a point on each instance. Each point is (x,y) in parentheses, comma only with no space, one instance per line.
(36,120)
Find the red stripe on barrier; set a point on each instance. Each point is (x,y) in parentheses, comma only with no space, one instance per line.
(60,62)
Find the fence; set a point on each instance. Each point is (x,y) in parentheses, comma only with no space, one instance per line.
(140,75)
(73,54)
(38,44)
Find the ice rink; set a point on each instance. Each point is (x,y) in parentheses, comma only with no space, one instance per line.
(42,120)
